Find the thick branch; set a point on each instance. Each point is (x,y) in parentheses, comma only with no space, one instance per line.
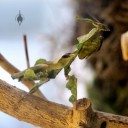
(33,109)
(11,69)
(47,114)
(106,120)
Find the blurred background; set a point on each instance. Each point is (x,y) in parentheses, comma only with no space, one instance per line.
(51,30)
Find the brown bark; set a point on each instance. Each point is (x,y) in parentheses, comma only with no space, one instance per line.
(47,114)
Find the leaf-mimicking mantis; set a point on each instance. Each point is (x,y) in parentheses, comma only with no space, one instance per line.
(44,70)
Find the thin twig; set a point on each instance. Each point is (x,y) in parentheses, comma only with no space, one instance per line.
(26,50)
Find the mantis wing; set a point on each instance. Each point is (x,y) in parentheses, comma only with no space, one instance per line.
(89,47)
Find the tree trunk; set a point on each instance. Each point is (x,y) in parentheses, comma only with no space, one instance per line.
(110,90)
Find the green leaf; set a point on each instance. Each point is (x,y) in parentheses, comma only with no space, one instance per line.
(29,74)
(40,61)
(83,38)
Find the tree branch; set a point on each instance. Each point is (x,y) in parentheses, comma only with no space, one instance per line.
(11,69)
(47,114)
(32,109)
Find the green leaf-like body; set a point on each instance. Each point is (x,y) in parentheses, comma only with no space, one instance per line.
(40,61)
(90,47)
(29,74)
(45,70)
(83,38)
(72,86)
(70,83)
(67,69)
(78,46)
(74,91)
(72,99)
(70,59)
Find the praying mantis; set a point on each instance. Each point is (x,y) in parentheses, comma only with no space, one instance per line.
(44,70)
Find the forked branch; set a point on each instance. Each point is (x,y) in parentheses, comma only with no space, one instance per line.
(47,114)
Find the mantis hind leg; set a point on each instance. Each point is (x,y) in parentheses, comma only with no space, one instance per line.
(34,88)
(37,85)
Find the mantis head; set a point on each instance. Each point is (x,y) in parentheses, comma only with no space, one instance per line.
(67,58)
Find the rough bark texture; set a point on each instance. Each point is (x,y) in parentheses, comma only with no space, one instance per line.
(47,114)
(110,90)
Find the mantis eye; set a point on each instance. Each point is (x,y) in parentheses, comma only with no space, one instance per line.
(66,55)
